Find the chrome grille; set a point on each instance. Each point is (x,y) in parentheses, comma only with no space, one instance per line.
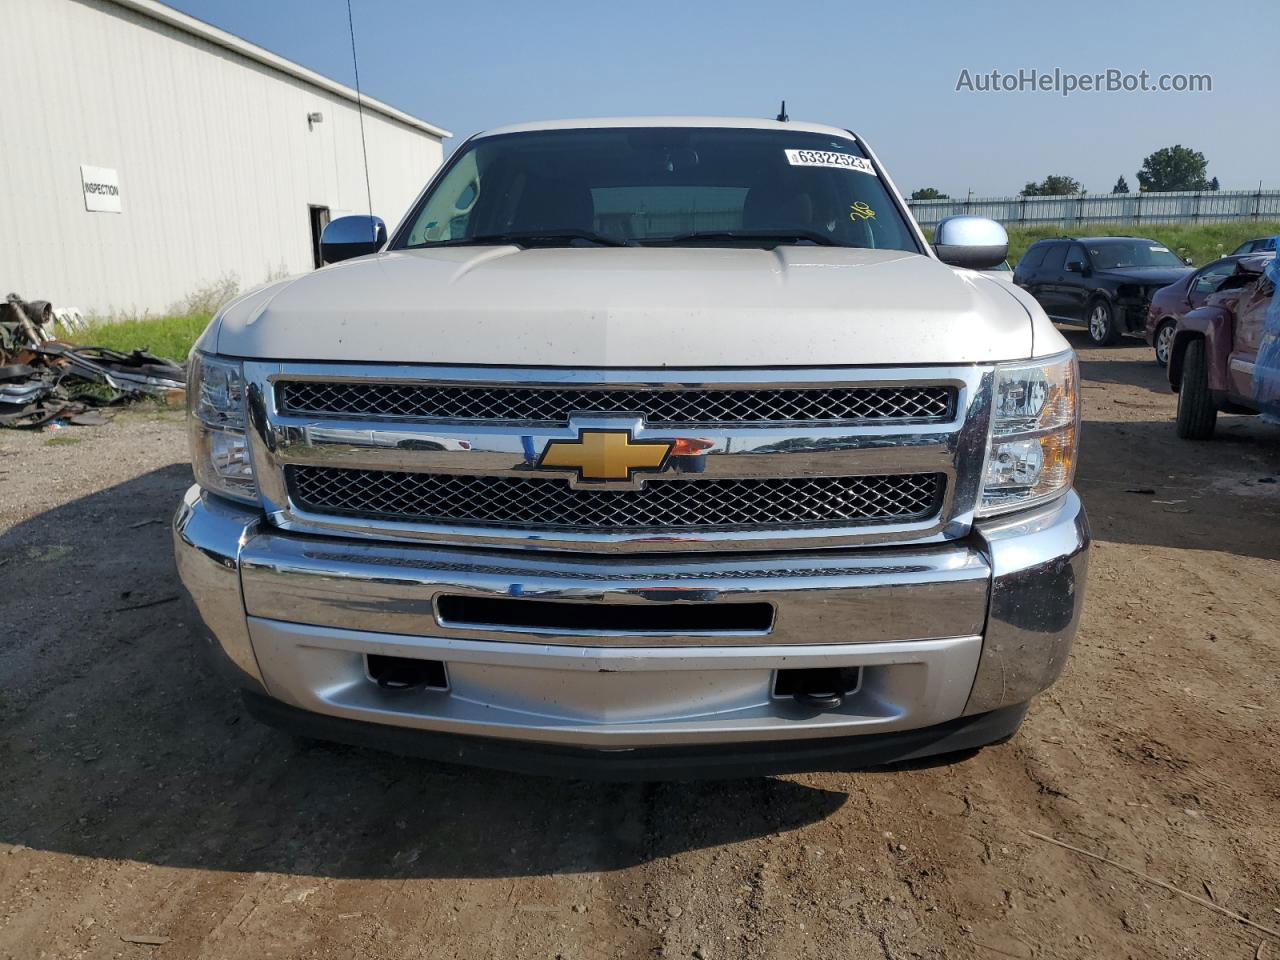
(661,505)
(553,405)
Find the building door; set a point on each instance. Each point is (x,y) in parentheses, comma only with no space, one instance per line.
(319,220)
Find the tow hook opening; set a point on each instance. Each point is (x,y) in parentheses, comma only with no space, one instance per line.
(822,687)
(406,673)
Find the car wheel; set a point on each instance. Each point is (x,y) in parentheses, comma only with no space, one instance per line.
(1196,413)
(1102,324)
(1164,342)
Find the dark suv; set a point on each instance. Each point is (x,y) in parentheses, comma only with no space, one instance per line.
(1105,283)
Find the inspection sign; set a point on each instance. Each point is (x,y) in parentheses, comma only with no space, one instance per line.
(101,189)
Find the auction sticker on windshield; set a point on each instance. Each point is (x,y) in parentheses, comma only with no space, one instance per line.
(827,158)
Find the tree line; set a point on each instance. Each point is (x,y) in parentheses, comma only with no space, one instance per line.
(1168,169)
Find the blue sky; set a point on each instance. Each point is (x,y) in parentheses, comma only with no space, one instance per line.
(888,71)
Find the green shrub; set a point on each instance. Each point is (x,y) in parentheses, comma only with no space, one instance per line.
(169,336)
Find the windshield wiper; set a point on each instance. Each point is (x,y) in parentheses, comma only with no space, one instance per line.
(541,238)
(765,236)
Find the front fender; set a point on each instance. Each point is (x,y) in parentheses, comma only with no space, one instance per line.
(1212,323)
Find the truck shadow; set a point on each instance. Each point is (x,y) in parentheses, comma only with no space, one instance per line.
(1143,485)
(115,744)
(1221,496)
(1130,362)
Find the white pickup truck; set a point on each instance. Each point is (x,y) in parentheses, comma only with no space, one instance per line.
(641,448)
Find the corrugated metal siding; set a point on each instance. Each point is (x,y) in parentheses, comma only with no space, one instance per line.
(217,165)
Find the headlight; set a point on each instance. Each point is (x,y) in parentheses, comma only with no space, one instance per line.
(216,422)
(1035,426)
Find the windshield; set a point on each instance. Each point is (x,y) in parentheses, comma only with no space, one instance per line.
(1133,253)
(659,186)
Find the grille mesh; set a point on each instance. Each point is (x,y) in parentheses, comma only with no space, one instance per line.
(661,505)
(670,407)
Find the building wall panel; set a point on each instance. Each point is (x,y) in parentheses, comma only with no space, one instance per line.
(216,163)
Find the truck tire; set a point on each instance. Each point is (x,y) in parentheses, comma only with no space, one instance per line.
(1103,330)
(1197,415)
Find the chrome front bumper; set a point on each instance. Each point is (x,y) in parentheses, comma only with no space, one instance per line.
(940,631)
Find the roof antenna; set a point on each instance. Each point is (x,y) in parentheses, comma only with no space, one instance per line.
(782,114)
(364,150)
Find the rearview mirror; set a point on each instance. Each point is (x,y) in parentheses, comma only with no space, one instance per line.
(1075,266)
(352,236)
(973,242)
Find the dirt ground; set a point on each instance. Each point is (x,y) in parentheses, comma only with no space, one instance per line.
(138,802)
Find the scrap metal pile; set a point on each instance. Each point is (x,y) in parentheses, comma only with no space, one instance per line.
(43,379)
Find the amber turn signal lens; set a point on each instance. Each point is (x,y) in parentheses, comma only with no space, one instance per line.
(691,446)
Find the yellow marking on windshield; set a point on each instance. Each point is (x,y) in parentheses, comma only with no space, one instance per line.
(860,211)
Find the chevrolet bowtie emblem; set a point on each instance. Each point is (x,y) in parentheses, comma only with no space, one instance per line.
(602,455)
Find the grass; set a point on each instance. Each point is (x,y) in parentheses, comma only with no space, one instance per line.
(168,336)
(61,441)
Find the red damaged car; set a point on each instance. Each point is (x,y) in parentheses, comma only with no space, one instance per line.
(1169,304)
(1225,354)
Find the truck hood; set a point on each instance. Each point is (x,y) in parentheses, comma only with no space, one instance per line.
(633,307)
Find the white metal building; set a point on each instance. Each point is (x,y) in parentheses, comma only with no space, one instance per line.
(145,154)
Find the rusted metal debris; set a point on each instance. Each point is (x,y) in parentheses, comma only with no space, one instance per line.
(43,379)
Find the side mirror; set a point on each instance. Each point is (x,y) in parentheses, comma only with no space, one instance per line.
(1188,261)
(352,236)
(1075,266)
(973,242)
